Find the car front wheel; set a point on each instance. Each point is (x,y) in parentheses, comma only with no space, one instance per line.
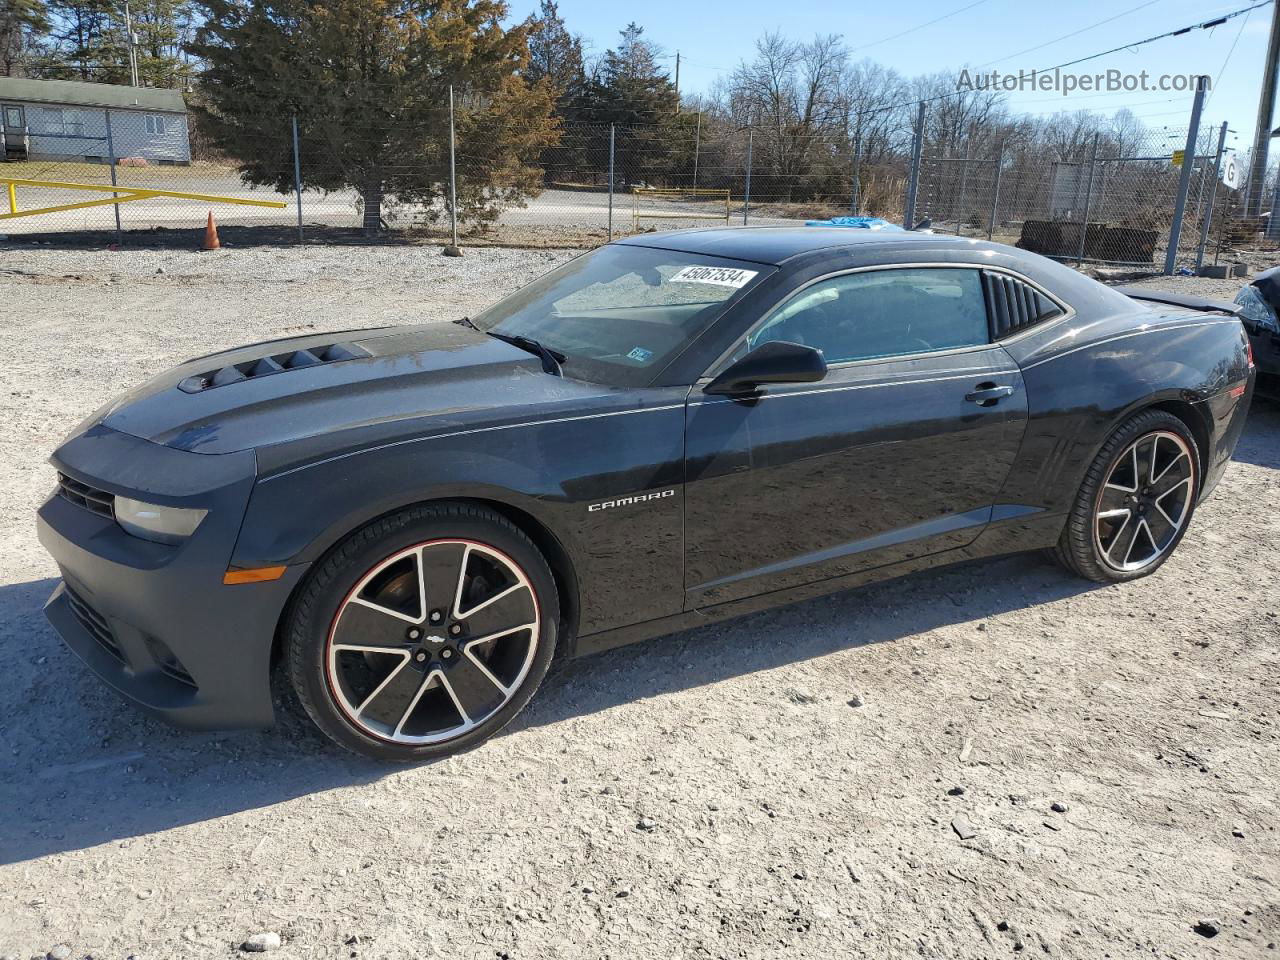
(1136,501)
(424,633)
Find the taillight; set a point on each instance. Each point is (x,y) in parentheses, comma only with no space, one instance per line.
(1248,345)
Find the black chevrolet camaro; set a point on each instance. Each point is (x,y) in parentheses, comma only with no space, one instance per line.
(412,522)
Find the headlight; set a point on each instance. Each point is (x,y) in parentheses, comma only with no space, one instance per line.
(152,522)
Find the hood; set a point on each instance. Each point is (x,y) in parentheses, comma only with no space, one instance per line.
(330,384)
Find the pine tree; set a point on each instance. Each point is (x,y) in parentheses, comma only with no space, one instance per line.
(556,55)
(368,81)
(634,93)
(22,24)
(163,28)
(78,38)
(632,88)
(88,40)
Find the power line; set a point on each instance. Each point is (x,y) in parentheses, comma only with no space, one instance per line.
(1223,69)
(921,26)
(1067,36)
(1206,25)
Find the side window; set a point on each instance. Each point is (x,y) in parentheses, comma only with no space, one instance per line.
(883,313)
(155,124)
(1015,305)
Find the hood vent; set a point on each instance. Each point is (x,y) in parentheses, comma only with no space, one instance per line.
(278,363)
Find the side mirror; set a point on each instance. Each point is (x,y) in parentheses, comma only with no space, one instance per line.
(775,362)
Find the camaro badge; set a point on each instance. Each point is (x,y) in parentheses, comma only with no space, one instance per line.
(627,501)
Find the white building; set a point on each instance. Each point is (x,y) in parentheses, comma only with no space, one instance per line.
(73,120)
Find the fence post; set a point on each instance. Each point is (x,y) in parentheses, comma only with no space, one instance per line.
(297,174)
(1207,219)
(995,192)
(1088,197)
(611,145)
(746,193)
(697,148)
(111,161)
(1184,179)
(964,186)
(913,182)
(855,190)
(453,180)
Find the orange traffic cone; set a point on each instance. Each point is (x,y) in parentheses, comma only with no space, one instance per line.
(211,241)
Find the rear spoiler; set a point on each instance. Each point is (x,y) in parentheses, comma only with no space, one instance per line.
(1203,304)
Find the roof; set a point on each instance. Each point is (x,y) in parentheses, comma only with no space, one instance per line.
(774,245)
(82,94)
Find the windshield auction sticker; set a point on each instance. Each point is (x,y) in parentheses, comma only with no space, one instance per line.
(720,276)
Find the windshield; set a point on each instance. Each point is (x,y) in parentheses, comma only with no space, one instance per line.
(621,313)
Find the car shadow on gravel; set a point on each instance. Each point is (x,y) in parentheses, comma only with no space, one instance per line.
(966,593)
(80,767)
(1260,442)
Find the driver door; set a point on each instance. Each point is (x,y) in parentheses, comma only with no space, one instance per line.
(898,452)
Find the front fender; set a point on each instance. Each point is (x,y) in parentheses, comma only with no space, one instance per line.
(629,560)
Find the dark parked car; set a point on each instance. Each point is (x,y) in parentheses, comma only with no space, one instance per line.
(413,521)
(1259,304)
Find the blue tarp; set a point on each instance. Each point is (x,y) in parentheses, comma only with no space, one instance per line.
(862,223)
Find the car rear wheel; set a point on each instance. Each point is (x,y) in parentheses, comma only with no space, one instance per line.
(1136,501)
(424,633)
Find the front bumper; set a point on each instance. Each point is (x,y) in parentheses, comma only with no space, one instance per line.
(155,622)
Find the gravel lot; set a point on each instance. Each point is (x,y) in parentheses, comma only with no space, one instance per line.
(1115,751)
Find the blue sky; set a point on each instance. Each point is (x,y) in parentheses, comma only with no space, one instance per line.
(714,35)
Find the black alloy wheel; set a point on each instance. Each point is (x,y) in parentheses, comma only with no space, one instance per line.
(424,633)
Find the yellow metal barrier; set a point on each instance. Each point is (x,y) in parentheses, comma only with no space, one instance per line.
(675,194)
(122,194)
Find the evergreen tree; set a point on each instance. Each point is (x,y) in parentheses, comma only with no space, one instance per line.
(368,81)
(79,39)
(631,88)
(88,40)
(632,92)
(556,56)
(22,24)
(163,28)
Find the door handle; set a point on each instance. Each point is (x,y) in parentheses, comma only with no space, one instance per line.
(989,394)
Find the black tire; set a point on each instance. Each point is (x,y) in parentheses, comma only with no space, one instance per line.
(318,667)
(1082,546)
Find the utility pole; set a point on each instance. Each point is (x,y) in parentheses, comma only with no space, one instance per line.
(1266,109)
(1213,195)
(677,81)
(1184,178)
(130,42)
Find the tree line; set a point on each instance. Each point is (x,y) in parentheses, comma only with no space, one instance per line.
(368,82)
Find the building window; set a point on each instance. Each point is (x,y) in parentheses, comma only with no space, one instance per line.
(61,123)
(155,124)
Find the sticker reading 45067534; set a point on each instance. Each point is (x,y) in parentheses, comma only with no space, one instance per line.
(720,276)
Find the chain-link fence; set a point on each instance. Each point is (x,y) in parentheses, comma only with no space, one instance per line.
(1103,197)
